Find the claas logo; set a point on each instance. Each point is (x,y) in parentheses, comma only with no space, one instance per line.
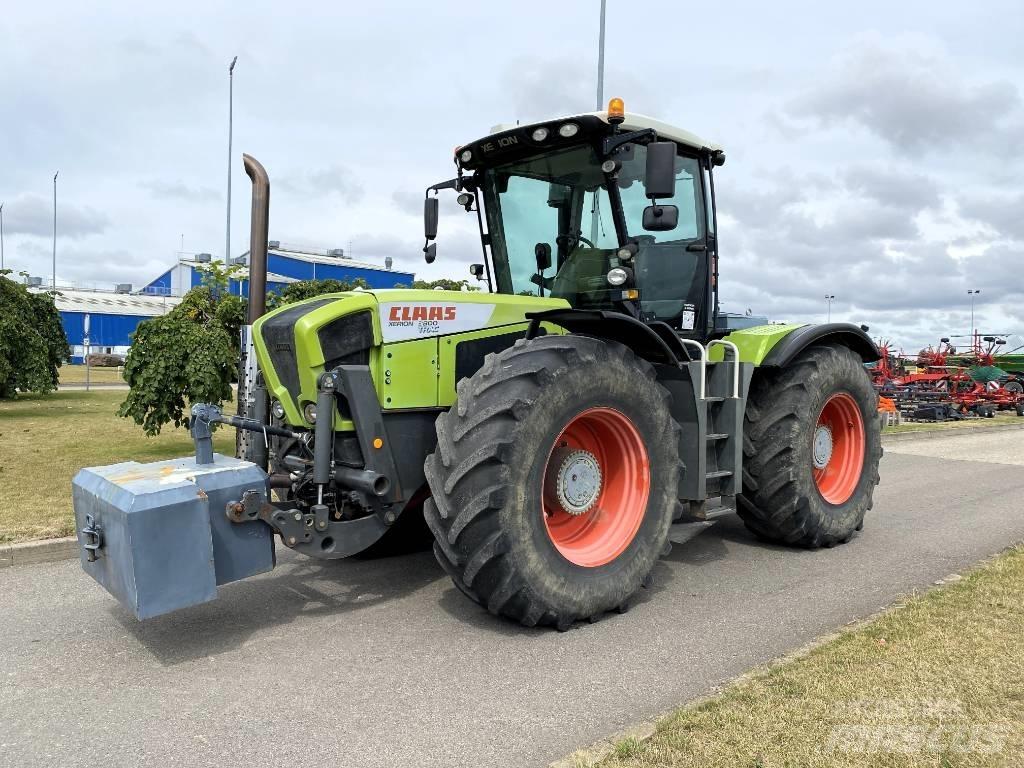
(406,313)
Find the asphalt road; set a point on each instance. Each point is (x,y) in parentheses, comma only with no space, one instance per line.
(384,663)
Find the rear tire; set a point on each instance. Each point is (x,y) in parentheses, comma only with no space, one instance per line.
(548,411)
(801,486)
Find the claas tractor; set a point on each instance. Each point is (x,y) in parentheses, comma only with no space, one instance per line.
(555,432)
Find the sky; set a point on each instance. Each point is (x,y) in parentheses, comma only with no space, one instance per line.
(873,147)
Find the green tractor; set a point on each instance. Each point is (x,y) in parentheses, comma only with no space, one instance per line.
(559,430)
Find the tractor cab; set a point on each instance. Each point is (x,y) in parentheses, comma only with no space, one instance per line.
(603,210)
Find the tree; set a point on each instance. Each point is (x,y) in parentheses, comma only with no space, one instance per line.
(443,284)
(307,289)
(217,276)
(190,355)
(32,340)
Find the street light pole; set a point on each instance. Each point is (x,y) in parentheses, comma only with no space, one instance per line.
(1,236)
(829,299)
(54,285)
(972,292)
(231,109)
(600,62)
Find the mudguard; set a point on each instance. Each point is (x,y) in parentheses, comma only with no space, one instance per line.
(846,334)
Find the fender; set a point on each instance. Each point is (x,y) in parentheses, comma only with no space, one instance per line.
(614,326)
(845,334)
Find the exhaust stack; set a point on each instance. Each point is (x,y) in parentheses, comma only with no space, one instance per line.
(252,400)
(259,229)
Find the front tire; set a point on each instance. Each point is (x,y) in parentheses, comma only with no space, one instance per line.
(811,447)
(555,480)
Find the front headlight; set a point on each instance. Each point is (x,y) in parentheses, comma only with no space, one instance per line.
(617,276)
(277,410)
(309,412)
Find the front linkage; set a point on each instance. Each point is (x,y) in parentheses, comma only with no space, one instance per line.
(374,488)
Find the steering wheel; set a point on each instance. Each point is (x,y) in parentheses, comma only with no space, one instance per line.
(571,240)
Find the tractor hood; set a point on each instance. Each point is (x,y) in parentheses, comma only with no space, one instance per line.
(297,342)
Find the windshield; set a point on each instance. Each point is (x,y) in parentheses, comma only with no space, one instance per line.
(561,200)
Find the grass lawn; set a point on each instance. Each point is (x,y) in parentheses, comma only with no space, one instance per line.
(937,681)
(75,374)
(46,439)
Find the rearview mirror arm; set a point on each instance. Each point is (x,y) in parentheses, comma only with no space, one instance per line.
(455,184)
(612,143)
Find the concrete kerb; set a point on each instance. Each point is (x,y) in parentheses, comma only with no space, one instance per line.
(31,552)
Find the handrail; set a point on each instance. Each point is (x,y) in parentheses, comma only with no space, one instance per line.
(735,362)
(703,362)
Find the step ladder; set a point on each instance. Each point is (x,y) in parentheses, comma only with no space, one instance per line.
(712,445)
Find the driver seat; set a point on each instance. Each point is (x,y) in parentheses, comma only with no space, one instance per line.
(582,280)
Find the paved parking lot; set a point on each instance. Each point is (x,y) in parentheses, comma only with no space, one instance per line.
(384,663)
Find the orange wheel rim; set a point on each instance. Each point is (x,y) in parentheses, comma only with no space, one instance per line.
(596,483)
(837,448)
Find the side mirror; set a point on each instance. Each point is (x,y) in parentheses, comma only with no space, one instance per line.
(477,271)
(660,218)
(660,178)
(430,253)
(542,251)
(430,214)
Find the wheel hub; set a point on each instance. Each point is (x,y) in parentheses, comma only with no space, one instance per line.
(575,483)
(822,446)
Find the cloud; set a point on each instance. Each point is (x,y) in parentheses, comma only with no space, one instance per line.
(408,201)
(177,190)
(544,87)
(1002,212)
(866,235)
(909,93)
(895,186)
(335,180)
(891,187)
(32,215)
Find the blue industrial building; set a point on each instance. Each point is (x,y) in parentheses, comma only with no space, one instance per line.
(106,319)
(285,264)
(109,317)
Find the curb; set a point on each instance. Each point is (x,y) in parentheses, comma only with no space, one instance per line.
(932,434)
(31,552)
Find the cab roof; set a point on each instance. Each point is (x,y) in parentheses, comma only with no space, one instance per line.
(633,122)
